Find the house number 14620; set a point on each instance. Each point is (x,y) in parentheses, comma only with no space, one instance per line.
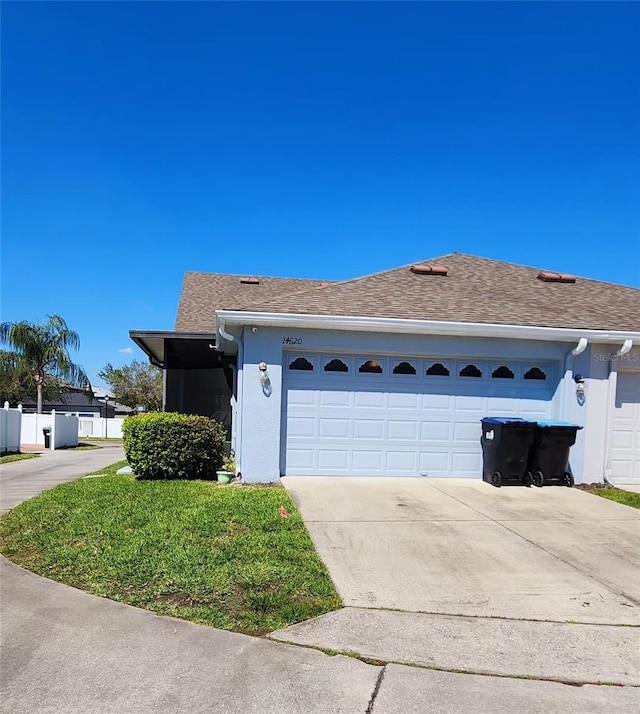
(292,340)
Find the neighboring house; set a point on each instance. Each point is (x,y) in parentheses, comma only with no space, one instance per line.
(77,402)
(390,374)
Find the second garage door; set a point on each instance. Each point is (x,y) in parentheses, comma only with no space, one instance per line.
(625,444)
(374,416)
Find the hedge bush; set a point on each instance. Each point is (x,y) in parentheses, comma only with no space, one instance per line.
(166,445)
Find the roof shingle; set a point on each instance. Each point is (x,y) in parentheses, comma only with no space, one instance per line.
(204,293)
(475,290)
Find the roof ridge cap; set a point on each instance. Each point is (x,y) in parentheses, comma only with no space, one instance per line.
(255,275)
(334,283)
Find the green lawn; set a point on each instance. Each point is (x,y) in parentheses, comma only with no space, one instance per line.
(8,458)
(615,494)
(219,555)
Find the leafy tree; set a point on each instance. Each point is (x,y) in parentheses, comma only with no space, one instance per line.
(43,350)
(135,384)
(17,383)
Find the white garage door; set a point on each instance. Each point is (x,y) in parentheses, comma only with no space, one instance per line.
(625,444)
(403,416)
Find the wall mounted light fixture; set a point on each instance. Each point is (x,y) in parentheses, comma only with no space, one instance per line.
(263,375)
(580,390)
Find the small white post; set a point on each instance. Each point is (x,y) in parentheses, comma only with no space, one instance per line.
(52,443)
(20,406)
(6,405)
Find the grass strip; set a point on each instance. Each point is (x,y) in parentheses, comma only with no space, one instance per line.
(219,555)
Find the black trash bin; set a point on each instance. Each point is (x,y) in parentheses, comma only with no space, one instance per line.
(505,450)
(549,455)
(46,430)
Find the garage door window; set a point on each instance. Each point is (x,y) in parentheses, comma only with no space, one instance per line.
(438,370)
(470,371)
(336,365)
(535,373)
(301,364)
(370,367)
(502,373)
(404,368)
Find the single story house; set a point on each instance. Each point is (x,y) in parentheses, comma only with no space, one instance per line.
(77,402)
(390,374)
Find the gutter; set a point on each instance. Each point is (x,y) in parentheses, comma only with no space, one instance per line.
(236,399)
(606,473)
(420,327)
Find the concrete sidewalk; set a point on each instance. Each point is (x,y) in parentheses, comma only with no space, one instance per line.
(577,653)
(21,480)
(68,652)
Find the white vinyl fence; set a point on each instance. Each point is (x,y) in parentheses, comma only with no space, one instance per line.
(64,429)
(10,427)
(101,427)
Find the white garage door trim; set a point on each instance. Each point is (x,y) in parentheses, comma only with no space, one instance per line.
(625,439)
(375,424)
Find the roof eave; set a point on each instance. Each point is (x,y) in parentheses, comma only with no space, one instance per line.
(151,342)
(424,327)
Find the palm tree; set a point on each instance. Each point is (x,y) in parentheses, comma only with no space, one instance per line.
(44,350)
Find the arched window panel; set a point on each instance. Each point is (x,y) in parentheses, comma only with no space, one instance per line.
(404,368)
(370,366)
(535,373)
(502,372)
(437,369)
(301,364)
(470,371)
(336,365)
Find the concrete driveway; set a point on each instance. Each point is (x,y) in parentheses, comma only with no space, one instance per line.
(462,547)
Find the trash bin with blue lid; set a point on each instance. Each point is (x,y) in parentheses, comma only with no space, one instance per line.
(505,450)
(549,454)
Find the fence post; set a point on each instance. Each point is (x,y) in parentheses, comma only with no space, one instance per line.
(52,445)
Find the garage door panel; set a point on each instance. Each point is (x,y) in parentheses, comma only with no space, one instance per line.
(431,431)
(333,428)
(469,403)
(335,398)
(441,402)
(403,401)
(333,460)
(402,430)
(371,424)
(368,429)
(466,464)
(367,461)
(625,437)
(435,463)
(369,400)
(502,405)
(301,427)
(301,397)
(300,459)
(401,461)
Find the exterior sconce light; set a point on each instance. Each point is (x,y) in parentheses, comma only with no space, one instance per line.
(263,375)
(580,388)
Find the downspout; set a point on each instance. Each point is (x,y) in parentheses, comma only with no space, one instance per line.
(626,347)
(236,419)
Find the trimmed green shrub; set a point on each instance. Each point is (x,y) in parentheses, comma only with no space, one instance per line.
(166,445)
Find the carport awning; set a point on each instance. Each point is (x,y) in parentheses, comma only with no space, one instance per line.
(152,342)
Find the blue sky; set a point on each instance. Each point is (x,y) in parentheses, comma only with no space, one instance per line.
(318,140)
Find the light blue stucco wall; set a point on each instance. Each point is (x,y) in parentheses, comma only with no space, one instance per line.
(261,410)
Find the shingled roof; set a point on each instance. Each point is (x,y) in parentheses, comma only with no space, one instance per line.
(204,293)
(474,289)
